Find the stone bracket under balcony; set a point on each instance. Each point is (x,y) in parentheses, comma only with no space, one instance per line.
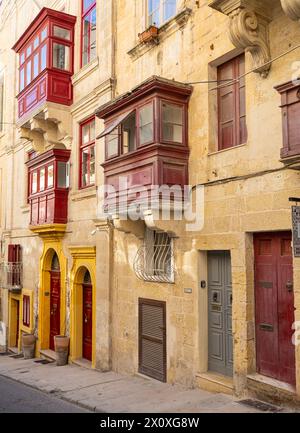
(249,28)
(48,128)
(50,231)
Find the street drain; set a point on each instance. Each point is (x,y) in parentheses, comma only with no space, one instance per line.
(260,405)
(43,361)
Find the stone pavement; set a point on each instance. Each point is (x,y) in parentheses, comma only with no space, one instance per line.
(114,393)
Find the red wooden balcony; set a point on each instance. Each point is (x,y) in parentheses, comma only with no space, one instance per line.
(49,187)
(146,141)
(46,52)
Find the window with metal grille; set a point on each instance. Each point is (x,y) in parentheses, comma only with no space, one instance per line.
(26,310)
(154,261)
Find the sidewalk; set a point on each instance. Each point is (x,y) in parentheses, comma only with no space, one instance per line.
(113,393)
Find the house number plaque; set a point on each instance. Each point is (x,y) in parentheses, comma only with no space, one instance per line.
(296,230)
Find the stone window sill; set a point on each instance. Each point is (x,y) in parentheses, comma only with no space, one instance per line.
(218,152)
(85,71)
(177,22)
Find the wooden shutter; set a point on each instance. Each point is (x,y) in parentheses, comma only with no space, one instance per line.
(14,253)
(232,104)
(152,339)
(26,310)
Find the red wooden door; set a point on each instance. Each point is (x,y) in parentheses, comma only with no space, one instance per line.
(87,320)
(54,307)
(274,303)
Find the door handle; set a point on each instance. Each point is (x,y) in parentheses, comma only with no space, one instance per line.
(85,319)
(290,286)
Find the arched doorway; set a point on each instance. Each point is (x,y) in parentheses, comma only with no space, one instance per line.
(54,299)
(87,317)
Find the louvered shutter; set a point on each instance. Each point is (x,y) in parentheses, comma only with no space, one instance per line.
(152,339)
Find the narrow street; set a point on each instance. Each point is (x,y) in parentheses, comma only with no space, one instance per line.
(18,398)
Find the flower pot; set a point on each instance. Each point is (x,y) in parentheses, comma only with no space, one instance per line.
(61,343)
(28,343)
(149,35)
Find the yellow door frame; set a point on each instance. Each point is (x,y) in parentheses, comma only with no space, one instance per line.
(84,258)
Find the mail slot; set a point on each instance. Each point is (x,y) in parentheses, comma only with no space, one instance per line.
(266,327)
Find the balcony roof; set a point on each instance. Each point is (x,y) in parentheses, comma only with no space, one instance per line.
(39,19)
(151,85)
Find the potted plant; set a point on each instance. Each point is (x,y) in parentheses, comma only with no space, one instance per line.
(61,343)
(149,35)
(28,343)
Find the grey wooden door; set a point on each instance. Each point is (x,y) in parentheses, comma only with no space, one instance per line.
(220,345)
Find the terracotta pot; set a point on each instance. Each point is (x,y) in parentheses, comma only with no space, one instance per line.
(28,343)
(61,344)
(149,35)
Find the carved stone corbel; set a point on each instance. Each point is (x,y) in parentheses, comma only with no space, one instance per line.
(291,9)
(248,30)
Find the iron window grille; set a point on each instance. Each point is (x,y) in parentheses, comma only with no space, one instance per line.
(12,276)
(154,261)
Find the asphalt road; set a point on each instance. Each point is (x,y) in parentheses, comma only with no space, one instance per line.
(18,398)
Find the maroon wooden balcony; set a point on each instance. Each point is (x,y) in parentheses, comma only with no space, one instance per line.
(49,187)
(146,141)
(46,53)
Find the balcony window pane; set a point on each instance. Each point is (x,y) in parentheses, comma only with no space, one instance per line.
(87,4)
(84,168)
(34,182)
(62,181)
(62,33)
(86,133)
(22,79)
(146,124)
(153,12)
(43,57)
(36,43)
(44,34)
(92,165)
(28,72)
(92,131)
(172,119)
(42,179)
(50,176)
(29,51)
(61,57)
(169,9)
(36,65)
(129,133)
(113,143)
(22,58)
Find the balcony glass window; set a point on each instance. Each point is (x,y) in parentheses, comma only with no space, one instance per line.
(28,73)
(61,57)
(62,175)
(22,79)
(42,179)
(34,184)
(36,43)
(44,34)
(89,25)
(172,123)
(29,51)
(50,182)
(87,154)
(43,57)
(62,33)
(129,133)
(146,124)
(112,147)
(36,62)
(160,11)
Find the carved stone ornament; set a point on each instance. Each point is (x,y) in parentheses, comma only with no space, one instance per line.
(291,9)
(248,30)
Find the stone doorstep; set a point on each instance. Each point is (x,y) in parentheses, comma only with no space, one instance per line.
(84,363)
(50,355)
(215,382)
(272,390)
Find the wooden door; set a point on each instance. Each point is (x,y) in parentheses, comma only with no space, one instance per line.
(54,306)
(152,339)
(274,303)
(87,322)
(220,345)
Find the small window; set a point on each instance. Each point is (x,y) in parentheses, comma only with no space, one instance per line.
(87,154)
(160,11)
(61,57)
(172,123)
(26,311)
(62,33)
(146,124)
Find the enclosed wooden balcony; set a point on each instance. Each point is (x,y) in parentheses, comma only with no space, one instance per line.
(46,52)
(146,143)
(49,188)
